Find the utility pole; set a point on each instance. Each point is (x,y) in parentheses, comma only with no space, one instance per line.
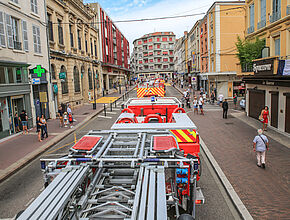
(94,104)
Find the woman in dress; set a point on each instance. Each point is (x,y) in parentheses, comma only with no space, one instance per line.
(265,117)
(38,128)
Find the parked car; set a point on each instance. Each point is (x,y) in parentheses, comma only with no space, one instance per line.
(243,103)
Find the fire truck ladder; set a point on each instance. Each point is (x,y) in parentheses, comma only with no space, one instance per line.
(121,180)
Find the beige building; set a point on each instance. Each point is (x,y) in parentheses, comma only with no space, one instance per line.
(74,51)
(225,22)
(269,82)
(179,58)
(24,64)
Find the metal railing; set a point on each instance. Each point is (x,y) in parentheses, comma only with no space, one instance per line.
(251,29)
(288,10)
(275,16)
(261,24)
(17,45)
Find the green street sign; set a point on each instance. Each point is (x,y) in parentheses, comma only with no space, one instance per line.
(62,75)
(39,70)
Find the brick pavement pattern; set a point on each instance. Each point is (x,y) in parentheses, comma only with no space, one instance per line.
(265,192)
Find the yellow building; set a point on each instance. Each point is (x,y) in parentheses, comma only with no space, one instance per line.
(74,51)
(269,83)
(224,23)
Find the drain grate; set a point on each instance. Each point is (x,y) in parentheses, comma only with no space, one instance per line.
(86,113)
(229,123)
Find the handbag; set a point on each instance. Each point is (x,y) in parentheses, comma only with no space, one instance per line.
(261,117)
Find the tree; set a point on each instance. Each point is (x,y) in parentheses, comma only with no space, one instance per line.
(249,51)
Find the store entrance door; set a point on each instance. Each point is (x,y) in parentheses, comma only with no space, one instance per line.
(274,109)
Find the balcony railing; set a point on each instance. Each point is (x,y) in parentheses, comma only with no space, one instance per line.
(17,45)
(251,29)
(275,16)
(261,24)
(288,10)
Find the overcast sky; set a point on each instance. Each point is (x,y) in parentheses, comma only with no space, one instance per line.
(138,9)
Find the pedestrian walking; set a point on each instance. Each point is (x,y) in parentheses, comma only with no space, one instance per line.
(71,120)
(60,115)
(16,123)
(225,107)
(264,116)
(221,98)
(23,118)
(195,105)
(212,97)
(260,145)
(181,84)
(65,119)
(68,110)
(235,99)
(200,103)
(43,127)
(38,128)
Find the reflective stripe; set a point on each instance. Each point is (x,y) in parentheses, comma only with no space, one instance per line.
(184,135)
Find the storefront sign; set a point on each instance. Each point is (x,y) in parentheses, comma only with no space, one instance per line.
(39,70)
(263,67)
(55,88)
(35,81)
(42,96)
(62,75)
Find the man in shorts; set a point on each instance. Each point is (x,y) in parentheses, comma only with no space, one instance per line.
(200,103)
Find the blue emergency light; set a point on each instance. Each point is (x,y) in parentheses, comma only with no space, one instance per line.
(153,99)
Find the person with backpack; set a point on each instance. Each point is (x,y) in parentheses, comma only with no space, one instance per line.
(260,145)
(71,120)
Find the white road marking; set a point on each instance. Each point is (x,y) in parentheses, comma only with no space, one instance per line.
(29,202)
(101,116)
(112,113)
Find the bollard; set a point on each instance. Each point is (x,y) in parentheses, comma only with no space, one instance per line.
(115,103)
(105,110)
(111,106)
(123,98)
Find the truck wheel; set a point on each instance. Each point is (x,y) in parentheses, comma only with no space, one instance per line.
(185,217)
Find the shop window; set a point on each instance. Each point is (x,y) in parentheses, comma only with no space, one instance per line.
(2,75)
(10,75)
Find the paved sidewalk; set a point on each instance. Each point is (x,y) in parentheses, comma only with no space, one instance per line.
(18,150)
(265,193)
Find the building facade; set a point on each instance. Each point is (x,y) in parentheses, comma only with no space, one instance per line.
(154,55)
(193,55)
(73,40)
(24,63)
(269,83)
(179,67)
(114,52)
(218,36)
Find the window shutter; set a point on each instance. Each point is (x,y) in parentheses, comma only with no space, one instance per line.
(34,38)
(9,31)
(25,35)
(2,31)
(35,7)
(38,39)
